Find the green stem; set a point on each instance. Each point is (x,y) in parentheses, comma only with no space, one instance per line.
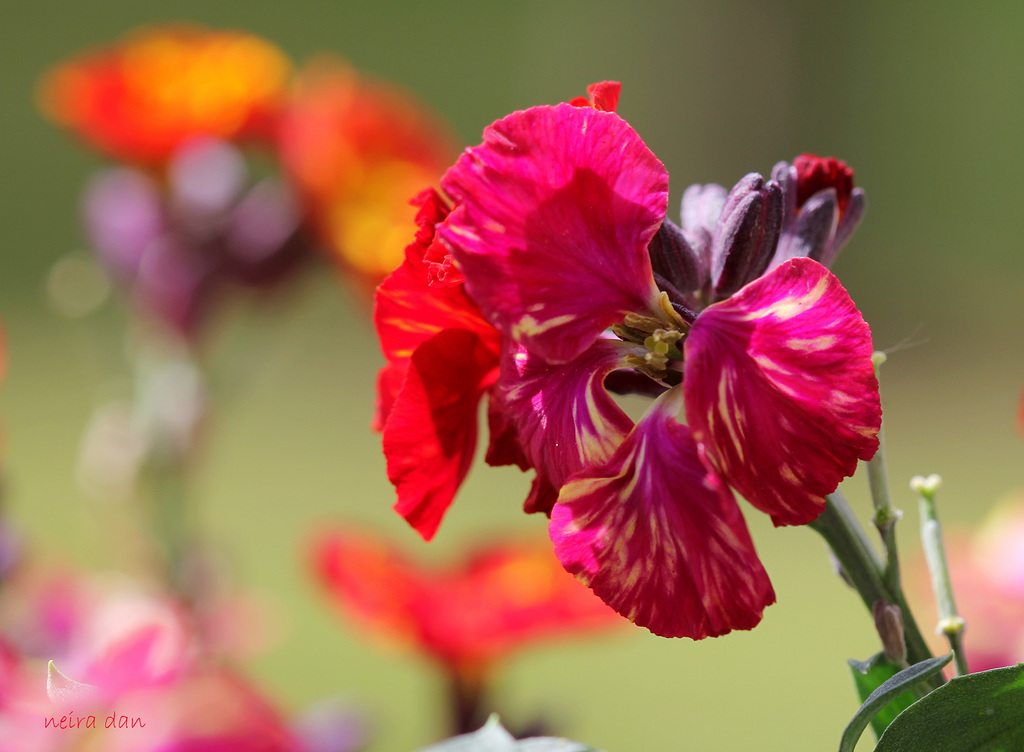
(886,515)
(950,622)
(862,565)
(168,487)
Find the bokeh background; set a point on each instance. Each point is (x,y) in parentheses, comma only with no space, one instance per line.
(924,100)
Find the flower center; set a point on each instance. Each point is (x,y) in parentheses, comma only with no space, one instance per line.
(661,336)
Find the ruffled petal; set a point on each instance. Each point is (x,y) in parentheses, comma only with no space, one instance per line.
(420,299)
(659,538)
(553,215)
(430,435)
(781,391)
(407,314)
(411,305)
(564,417)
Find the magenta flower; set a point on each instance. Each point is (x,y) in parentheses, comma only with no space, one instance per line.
(559,229)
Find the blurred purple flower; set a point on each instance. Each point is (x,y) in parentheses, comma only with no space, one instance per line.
(176,247)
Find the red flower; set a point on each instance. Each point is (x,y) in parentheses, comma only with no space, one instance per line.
(557,217)
(139,100)
(442,358)
(467,616)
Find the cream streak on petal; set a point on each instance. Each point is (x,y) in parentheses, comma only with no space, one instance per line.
(791,354)
(565,418)
(554,212)
(660,539)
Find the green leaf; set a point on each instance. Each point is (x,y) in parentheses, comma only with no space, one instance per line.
(493,738)
(981,712)
(869,676)
(886,692)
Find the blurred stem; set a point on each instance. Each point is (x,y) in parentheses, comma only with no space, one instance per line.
(950,622)
(169,406)
(168,487)
(846,537)
(886,515)
(466,695)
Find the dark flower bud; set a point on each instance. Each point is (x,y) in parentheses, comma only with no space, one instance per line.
(701,208)
(678,267)
(747,234)
(848,222)
(822,208)
(812,230)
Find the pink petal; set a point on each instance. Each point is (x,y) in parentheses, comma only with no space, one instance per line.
(64,692)
(659,538)
(781,391)
(553,215)
(430,434)
(564,417)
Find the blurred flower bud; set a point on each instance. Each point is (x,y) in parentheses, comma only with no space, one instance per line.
(205,178)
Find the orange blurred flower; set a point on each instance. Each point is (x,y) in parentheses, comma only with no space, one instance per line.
(358,151)
(467,616)
(143,97)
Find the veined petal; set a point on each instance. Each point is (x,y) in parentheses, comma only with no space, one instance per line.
(430,434)
(553,215)
(781,391)
(565,418)
(659,538)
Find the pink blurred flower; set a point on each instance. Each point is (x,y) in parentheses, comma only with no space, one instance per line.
(987,570)
(133,671)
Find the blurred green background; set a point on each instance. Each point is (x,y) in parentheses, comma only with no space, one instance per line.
(924,100)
